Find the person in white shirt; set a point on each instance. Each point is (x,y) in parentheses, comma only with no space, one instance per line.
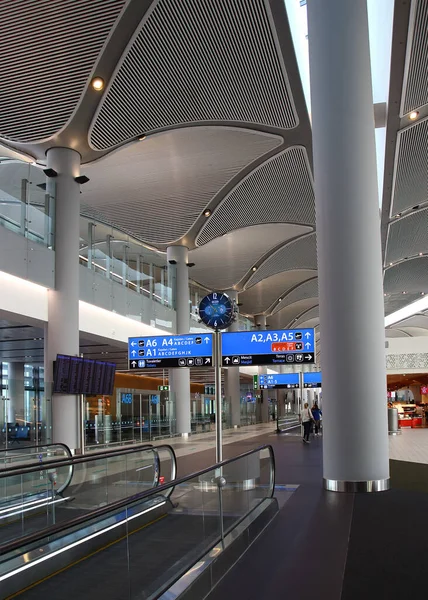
(306,420)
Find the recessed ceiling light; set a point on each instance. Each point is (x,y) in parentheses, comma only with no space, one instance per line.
(421,253)
(254,269)
(398,215)
(403,292)
(279,299)
(142,138)
(422,293)
(384,294)
(207,212)
(414,115)
(390,264)
(97,83)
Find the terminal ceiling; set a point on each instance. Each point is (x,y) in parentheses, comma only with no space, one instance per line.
(203,109)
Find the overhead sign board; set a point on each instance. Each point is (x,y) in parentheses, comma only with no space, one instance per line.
(312,380)
(279,380)
(281,347)
(163,352)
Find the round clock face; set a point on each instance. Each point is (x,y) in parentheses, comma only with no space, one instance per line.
(216,310)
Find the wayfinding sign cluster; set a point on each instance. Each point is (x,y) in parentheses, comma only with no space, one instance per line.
(289,381)
(163,352)
(281,347)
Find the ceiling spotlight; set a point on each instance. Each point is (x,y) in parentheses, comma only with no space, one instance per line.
(207,212)
(398,215)
(97,84)
(403,292)
(421,253)
(279,299)
(81,179)
(414,115)
(254,269)
(422,293)
(142,137)
(390,264)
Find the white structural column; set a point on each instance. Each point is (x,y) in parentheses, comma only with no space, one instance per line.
(62,331)
(16,391)
(232,386)
(180,381)
(260,321)
(349,248)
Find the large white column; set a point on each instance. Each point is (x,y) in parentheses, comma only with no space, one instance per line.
(232,386)
(349,248)
(260,321)
(15,392)
(180,380)
(62,331)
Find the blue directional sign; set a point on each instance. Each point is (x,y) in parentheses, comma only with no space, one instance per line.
(312,380)
(279,380)
(280,347)
(159,352)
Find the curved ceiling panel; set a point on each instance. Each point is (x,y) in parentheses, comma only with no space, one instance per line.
(411,178)
(416,91)
(409,276)
(408,236)
(44,76)
(300,254)
(185,55)
(395,333)
(222,263)
(308,324)
(285,316)
(419,321)
(308,289)
(261,296)
(414,331)
(394,302)
(314,313)
(283,183)
(169,179)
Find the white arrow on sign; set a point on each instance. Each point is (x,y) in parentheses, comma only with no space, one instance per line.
(227,360)
(308,357)
(207,339)
(134,352)
(307,345)
(133,363)
(307,335)
(207,361)
(133,344)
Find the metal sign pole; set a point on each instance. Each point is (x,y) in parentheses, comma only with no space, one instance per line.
(218,407)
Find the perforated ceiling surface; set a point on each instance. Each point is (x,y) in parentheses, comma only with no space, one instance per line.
(416,90)
(283,182)
(409,276)
(309,289)
(285,317)
(183,58)
(261,297)
(415,321)
(411,180)
(394,302)
(314,313)
(169,179)
(232,256)
(300,254)
(47,52)
(407,236)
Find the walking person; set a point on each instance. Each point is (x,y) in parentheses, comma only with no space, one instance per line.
(306,420)
(316,413)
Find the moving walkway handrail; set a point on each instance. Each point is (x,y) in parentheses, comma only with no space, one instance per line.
(33,538)
(39,447)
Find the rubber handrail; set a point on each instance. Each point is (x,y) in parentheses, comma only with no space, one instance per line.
(74,460)
(60,444)
(119,504)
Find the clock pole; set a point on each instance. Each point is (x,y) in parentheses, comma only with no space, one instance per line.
(217,384)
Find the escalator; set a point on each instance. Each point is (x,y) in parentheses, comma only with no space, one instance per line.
(143,546)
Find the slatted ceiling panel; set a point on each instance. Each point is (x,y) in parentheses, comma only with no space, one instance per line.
(300,254)
(47,52)
(394,302)
(395,333)
(260,297)
(416,91)
(309,289)
(288,313)
(411,179)
(310,319)
(195,61)
(415,321)
(235,255)
(170,178)
(283,184)
(407,236)
(409,276)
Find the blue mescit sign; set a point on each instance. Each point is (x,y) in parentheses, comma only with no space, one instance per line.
(279,380)
(284,346)
(189,350)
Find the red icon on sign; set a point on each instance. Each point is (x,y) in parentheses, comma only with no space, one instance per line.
(283,347)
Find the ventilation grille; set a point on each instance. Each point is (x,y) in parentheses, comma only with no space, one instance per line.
(411,180)
(314,313)
(170,179)
(196,61)
(280,190)
(408,236)
(409,276)
(300,254)
(47,52)
(416,92)
(309,289)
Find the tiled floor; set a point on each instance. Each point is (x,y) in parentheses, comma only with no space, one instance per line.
(411,446)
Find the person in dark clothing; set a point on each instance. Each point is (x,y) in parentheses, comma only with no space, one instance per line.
(316,413)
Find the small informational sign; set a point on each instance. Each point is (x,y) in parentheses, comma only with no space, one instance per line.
(169,351)
(288,381)
(312,380)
